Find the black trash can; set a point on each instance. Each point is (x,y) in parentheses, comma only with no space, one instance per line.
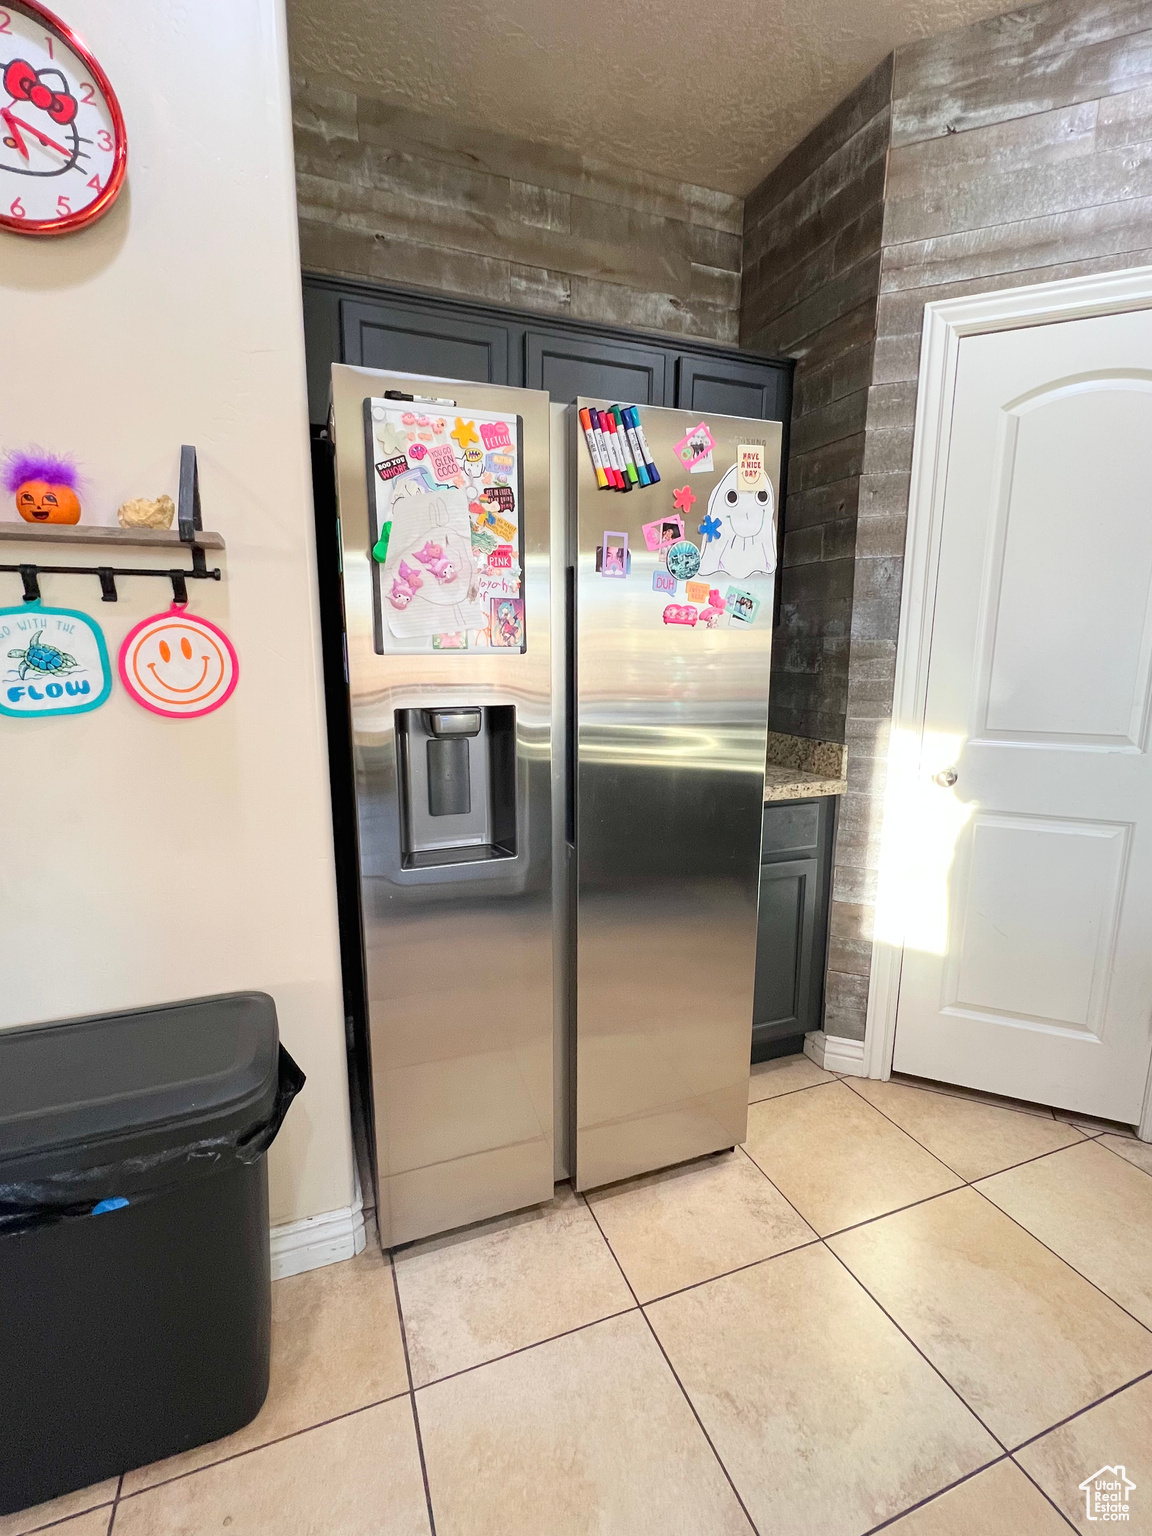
(134,1271)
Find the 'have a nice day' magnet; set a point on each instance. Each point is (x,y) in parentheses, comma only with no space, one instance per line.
(177,665)
(53,661)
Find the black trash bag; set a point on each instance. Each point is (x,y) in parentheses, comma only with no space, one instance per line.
(63,1196)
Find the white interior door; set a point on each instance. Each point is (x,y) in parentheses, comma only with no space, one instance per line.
(1027,966)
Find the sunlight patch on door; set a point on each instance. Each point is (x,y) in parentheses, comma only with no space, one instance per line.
(922,824)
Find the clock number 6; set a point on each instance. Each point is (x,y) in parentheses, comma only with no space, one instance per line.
(17,209)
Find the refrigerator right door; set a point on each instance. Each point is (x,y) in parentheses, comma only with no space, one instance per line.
(672,590)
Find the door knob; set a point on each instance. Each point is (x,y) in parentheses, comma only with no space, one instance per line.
(945,778)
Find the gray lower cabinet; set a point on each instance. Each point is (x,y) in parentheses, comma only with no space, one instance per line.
(792,939)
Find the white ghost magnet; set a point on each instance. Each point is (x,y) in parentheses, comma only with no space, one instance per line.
(744,540)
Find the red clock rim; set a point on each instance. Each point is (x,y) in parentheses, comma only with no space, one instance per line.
(100,204)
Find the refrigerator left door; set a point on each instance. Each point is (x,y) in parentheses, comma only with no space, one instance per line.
(446,579)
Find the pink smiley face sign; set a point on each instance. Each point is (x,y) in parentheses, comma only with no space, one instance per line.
(177,665)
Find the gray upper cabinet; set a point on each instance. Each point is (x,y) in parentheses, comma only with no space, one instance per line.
(374,327)
(568,365)
(434,342)
(732,386)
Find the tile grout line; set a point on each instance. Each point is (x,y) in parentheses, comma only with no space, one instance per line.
(939,1494)
(412,1399)
(1041,1112)
(1061,1117)
(823,1237)
(50,1525)
(931,1364)
(991,1101)
(783,1197)
(115,1504)
(522,1349)
(737,1270)
(973,1185)
(292,1434)
(1099,1138)
(955,1171)
(1079,1413)
(787,1092)
(1060,1259)
(1042,1491)
(675,1376)
(852,1226)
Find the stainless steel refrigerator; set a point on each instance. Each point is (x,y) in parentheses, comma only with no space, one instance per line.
(444,508)
(558,697)
(671,645)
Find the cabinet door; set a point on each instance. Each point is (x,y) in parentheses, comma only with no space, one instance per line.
(784,948)
(571,365)
(423,340)
(731,387)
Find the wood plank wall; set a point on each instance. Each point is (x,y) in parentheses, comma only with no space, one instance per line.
(812,234)
(1020,151)
(394,196)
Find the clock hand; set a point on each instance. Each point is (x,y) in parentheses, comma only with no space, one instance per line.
(10,118)
(14,131)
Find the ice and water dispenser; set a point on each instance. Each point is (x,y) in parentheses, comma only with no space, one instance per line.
(457,784)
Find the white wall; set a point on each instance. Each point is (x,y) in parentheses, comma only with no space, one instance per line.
(145,859)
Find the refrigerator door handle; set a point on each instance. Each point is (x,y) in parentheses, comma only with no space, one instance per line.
(570,706)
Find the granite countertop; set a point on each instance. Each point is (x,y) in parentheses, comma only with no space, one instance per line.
(797,768)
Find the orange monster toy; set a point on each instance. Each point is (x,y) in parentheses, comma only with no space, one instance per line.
(44,487)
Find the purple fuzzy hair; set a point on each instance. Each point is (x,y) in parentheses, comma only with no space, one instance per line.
(36,465)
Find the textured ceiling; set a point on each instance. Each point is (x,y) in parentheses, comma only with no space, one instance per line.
(714,95)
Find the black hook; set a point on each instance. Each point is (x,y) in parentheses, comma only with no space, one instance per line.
(30,575)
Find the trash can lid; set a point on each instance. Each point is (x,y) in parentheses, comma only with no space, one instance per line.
(92,1079)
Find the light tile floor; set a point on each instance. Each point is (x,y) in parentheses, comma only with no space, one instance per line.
(899,1307)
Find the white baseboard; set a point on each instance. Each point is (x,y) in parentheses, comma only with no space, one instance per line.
(318,1240)
(835,1053)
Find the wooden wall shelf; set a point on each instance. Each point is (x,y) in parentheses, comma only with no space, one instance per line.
(115,538)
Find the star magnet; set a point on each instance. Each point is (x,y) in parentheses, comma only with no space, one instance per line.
(464,432)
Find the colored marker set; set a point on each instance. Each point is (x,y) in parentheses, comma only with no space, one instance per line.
(618,448)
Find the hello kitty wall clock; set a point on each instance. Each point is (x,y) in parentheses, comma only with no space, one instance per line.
(63,147)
